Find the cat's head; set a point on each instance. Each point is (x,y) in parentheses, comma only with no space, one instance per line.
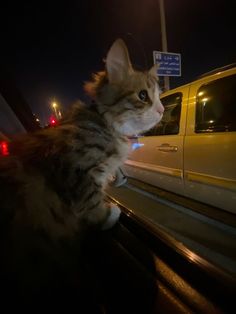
(128,99)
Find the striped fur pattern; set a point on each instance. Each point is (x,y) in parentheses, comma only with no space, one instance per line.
(53,182)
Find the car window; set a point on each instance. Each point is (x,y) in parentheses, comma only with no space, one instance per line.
(171,117)
(9,122)
(216,106)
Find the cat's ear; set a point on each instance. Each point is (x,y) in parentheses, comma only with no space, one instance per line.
(118,63)
(153,70)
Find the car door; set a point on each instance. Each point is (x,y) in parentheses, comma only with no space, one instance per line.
(158,157)
(210,144)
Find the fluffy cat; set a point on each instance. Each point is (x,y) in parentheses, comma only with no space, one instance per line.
(52,182)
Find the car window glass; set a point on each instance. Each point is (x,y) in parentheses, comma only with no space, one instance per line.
(216,106)
(169,124)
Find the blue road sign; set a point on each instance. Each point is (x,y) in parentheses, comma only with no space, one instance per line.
(169,63)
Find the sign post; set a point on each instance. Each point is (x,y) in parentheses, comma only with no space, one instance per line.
(164,39)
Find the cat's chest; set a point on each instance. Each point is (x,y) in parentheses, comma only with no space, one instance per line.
(112,162)
(121,150)
(123,146)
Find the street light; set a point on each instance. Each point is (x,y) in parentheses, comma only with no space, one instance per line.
(54,105)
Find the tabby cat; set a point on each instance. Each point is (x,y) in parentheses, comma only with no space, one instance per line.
(52,183)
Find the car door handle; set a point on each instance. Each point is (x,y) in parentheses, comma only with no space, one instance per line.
(167,148)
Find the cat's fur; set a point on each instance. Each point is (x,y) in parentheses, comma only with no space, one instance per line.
(51,185)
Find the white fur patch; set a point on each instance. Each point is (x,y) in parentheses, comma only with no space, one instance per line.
(112,218)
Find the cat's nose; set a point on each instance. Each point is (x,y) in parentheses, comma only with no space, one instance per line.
(160,108)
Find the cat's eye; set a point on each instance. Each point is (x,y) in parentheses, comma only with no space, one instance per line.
(143,95)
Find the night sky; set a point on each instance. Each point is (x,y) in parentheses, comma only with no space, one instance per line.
(51,48)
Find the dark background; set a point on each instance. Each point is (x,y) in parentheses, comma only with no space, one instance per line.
(52,48)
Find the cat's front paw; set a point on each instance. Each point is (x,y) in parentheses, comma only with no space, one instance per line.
(112,218)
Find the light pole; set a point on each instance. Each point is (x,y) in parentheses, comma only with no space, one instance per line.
(164,39)
(54,105)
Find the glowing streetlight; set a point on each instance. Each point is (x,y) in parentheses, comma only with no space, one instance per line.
(54,105)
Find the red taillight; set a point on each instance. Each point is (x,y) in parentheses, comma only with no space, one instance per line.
(53,121)
(4,148)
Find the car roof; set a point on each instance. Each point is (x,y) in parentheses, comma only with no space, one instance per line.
(214,74)
(217,70)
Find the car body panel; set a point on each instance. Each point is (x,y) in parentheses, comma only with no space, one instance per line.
(209,168)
